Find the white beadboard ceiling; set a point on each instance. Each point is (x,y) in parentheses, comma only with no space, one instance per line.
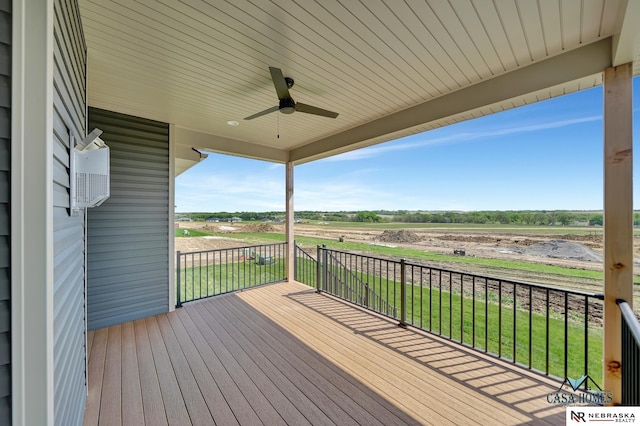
(390,68)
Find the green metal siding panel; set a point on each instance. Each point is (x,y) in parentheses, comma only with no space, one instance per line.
(127,236)
(69,118)
(5,224)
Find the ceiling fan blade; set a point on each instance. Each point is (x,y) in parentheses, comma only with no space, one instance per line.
(261,113)
(309,109)
(280,83)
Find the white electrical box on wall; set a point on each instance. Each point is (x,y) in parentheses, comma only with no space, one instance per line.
(89,172)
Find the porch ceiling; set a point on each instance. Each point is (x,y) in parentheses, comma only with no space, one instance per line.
(390,68)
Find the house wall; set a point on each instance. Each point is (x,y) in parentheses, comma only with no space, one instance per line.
(5,228)
(127,239)
(69,120)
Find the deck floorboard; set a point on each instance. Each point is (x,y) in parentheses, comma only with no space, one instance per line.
(283,354)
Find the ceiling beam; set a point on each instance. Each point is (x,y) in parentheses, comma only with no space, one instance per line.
(575,64)
(626,41)
(212,143)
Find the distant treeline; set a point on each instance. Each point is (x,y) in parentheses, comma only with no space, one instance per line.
(564,218)
(555,217)
(227,216)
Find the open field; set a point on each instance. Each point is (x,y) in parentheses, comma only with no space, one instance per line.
(493,250)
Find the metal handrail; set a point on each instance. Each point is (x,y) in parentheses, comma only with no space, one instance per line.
(630,319)
(630,340)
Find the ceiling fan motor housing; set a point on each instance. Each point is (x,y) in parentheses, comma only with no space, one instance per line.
(287,106)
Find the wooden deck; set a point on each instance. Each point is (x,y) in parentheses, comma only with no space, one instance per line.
(282,354)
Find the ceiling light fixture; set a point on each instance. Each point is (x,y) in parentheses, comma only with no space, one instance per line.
(233,123)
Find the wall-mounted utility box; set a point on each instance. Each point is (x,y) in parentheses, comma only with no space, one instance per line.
(89,172)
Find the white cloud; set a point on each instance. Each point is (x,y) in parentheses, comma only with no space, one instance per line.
(333,196)
(540,126)
(422,140)
(370,152)
(231,192)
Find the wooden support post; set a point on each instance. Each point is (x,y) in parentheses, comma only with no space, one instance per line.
(618,217)
(289,222)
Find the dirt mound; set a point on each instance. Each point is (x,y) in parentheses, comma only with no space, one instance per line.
(401,236)
(563,249)
(222,229)
(257,227)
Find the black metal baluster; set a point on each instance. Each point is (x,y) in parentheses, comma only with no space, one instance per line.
(500,319)
(566,333)
(178,277)
(515,293)
(486,315)
(461,308)
(440,306)
(473,312)
(530,326)
(450,305)
(586,338)
(547,335)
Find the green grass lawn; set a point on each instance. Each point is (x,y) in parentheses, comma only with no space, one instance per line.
(180,232)
(209,280)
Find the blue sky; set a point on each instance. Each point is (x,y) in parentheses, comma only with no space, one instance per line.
(544,156)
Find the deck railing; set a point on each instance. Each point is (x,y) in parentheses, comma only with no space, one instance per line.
(339,281)
(343,281)
(630,355)
(305,267)
(209,273)
(554,331)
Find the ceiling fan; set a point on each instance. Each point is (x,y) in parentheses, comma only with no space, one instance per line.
(287,104)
